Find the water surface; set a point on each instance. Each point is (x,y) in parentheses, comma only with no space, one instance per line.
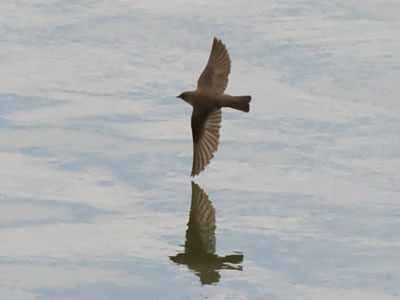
(300,202)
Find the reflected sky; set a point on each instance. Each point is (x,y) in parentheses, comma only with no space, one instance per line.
(96,151)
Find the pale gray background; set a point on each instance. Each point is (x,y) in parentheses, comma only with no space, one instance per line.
(96,151)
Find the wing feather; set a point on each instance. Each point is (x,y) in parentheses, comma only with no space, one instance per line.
(206,144)
(215,75)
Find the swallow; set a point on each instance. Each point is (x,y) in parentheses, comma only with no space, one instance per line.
(207,101)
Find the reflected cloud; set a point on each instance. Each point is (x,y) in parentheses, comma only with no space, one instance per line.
(199,254)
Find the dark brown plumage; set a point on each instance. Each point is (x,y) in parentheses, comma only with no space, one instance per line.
(207,101)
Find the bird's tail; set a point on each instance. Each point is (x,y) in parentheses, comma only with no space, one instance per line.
(239,102)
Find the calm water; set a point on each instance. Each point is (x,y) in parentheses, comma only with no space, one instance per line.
(300,202)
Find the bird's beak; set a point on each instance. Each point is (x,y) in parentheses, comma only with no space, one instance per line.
(177,97)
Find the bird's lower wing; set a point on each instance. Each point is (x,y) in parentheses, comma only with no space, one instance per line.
(206,143)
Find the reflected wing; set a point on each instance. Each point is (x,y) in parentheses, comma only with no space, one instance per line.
(205,130)
(201,227)
(216,72)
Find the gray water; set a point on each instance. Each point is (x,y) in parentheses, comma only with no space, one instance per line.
(301,201)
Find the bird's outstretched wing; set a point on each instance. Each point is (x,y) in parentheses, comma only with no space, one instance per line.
(205,130)
(216,72)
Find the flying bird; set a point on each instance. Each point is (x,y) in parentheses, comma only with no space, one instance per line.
(207,101)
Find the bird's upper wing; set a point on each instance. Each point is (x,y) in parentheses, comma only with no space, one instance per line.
(216,72)
(205,130)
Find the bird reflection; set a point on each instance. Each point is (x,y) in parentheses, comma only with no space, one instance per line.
(199,254)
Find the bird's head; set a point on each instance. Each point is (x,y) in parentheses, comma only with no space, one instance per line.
(185,96)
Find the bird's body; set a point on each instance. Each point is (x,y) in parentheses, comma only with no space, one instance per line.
(207,101)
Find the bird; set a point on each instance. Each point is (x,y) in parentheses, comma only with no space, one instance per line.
(207,101)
